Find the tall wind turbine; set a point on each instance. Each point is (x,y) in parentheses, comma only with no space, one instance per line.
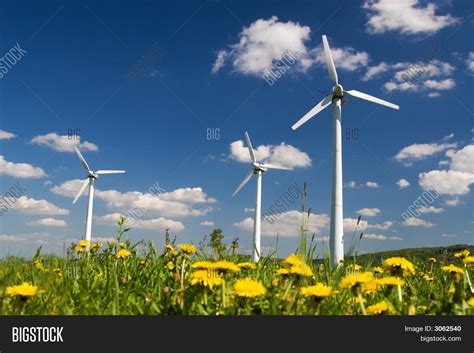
(258,169)
(335,99)
(89,181)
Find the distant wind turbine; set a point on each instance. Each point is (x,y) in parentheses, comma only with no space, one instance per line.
(336,231)
(258,169)
(91,177)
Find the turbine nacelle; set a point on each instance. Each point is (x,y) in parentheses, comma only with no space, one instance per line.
(259,167)
(337,91)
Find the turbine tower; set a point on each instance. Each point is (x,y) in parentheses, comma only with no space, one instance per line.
(258,169)
(90,180)
(335,99)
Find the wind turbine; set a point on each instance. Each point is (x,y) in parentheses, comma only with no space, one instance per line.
(258,169)
(335,99)
(91,178)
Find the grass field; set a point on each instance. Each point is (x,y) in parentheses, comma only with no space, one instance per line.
(183,279)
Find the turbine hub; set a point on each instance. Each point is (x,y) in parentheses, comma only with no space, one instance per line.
(337,92)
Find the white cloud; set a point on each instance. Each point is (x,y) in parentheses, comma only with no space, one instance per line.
(405,16)
(434,94)
(282,154)
(440,84)
(350,185)
(350,225)
(368,212)
(452,202)
(63,143)
(470,61)
(31,206)
(181,202)
(375,71)
(48,222)
(419,151)
(403,183)
(372,184)
(384,226)
(249,209)
(380,237)
(447,182)
(207,223)
(158,224)
(266,42)
(462,160)
(345,58)
(417,222)
(5,135)
(103,240)
(430,209)
(288,224)
(448,235)
(20,170)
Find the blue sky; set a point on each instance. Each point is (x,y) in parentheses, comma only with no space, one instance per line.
(199,67)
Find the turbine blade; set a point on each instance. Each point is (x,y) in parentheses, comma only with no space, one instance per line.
(274,166)
(245,181)
(81,190)
(329,60)
(249,146)
(102,172)
(319,107)
(372,99)
(83,160)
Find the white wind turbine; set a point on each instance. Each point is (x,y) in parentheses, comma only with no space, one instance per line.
(258,169)
(336,230)
(91,177)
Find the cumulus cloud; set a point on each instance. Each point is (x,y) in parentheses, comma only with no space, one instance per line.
(182,202)
(417,222)
(282,154)
(448,235)
(288,224)
(452,202)
(249,209)
(419,151)
(375,71)
(372,184)
(470,61)
(158,224)
(380,237)
(350,184)
(403,183)
(48,222)
(350,225)
(20,170)
(456,180)
(63,143)
(430,209)
(42,207)
(368,212)
(405,16)
(5,135)
(207,223)
(266,42)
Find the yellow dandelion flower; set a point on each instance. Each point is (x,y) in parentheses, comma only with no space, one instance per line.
(427,278)
(390,281)
(292,260)
(248,288)
(471,302)
(319,290)
(170,248)
(123,245)
(142,262)
(23,290)
(174,253)
(379,308)
(354,267)
(301,269)
(96,245)
(371,287)
(422,307)
(462,254)
(469,260)
(399,264)
(39,265)
(84,243)
(432,260)
(123,253)
(247,265)
(452,269)
(170,265)
(451,290)
(187,248)
(356,279)
(378,270)
(203,278)
(203,265)
(226,266)
(79,248)
(282,272)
